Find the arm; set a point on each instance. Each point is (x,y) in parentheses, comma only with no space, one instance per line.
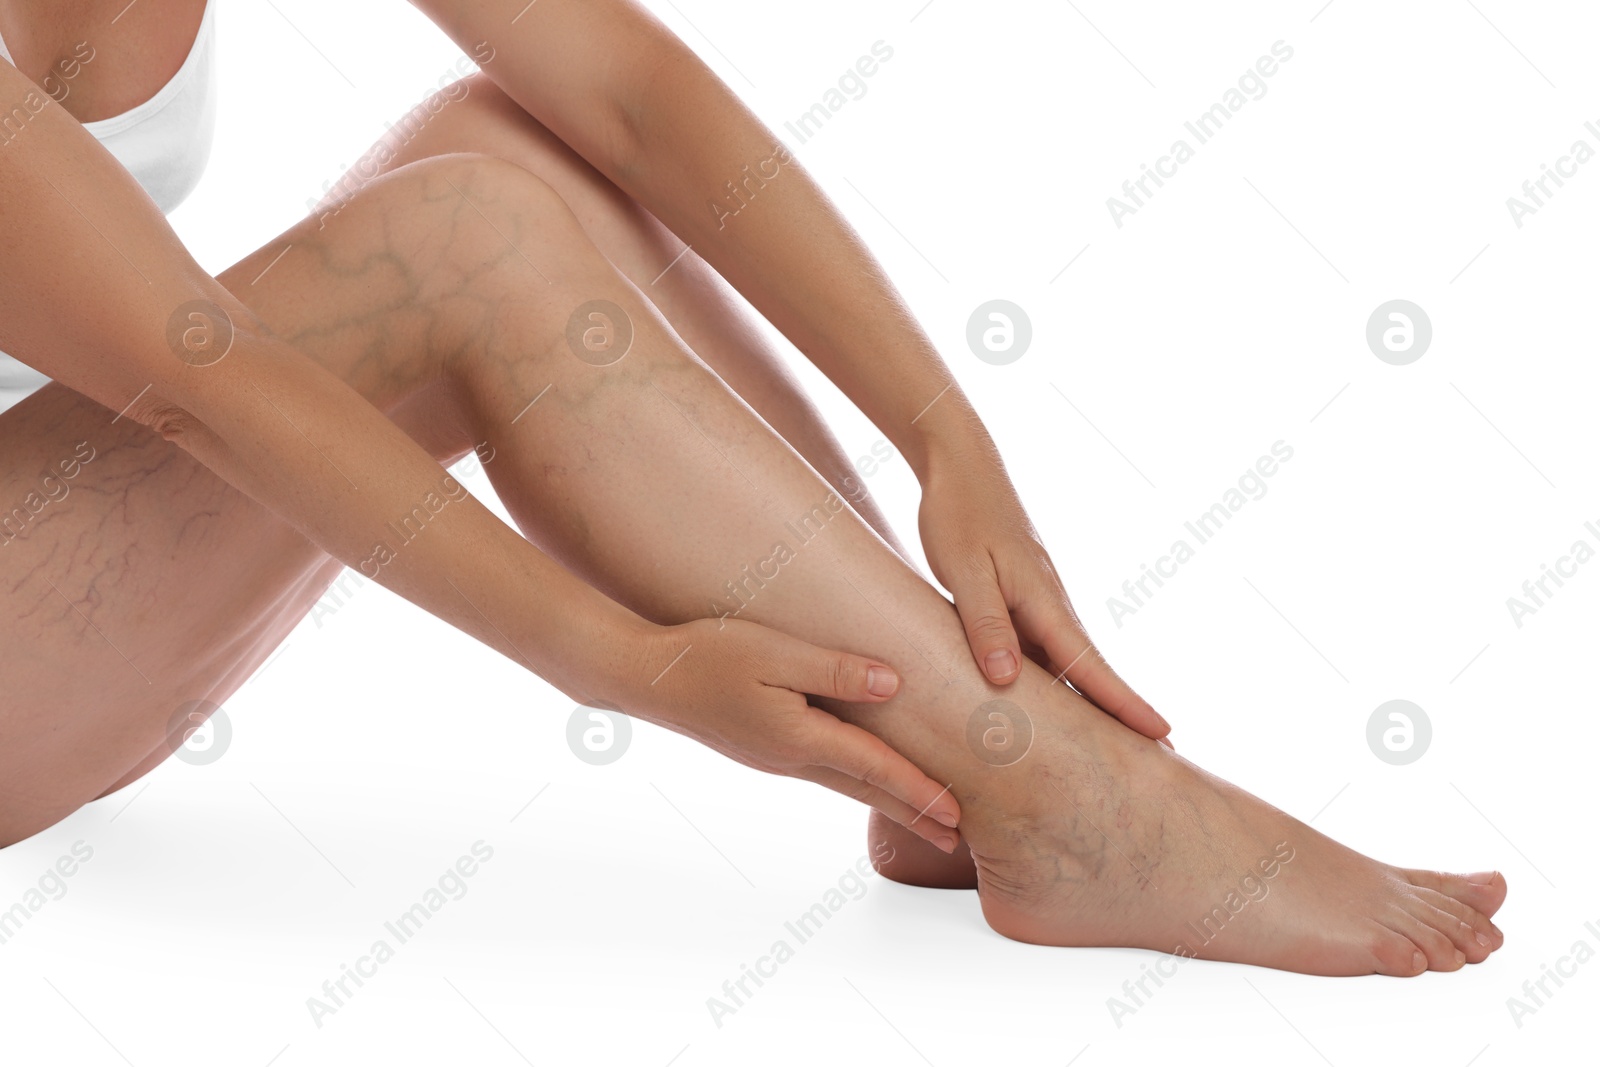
(91,281)
(633,100)
(91,276)
(640,106)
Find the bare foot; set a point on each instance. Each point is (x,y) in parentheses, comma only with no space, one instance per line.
(1101,837)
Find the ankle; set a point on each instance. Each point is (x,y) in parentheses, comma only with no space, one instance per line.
(1072,784)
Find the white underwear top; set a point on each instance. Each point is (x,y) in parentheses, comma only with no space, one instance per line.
(164,143)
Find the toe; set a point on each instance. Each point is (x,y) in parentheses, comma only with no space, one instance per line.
(1473,945)
(1395,954)
(1483,892)
(1440,951)
(1484,931)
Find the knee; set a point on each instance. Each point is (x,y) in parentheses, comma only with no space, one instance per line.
(485,175)
(498,228)
(450,211)
(514,291)
(496,198)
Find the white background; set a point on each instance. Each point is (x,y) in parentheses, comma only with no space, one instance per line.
(1227,314)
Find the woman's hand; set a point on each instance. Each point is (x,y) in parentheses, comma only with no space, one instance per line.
(738,687)
(984,549)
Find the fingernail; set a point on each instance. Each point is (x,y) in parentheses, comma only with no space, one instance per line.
(881,681)
(946,842)
(1482,878)
(1000,663)
(1162,719)
(944,817)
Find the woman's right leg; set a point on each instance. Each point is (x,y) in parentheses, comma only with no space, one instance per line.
(650,476)
(647,474)
(477,116)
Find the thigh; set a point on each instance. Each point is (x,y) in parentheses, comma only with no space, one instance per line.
(136,581)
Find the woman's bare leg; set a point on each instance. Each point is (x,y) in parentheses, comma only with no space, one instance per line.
(476,116)
(141,583)
(247,611)
(653,478)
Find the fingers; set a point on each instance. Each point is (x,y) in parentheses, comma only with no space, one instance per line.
(1051,621)
(846,758)
(850,750)
(805,668)
(987,619)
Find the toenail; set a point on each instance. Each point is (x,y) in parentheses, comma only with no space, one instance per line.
(1484,941)
(1461,957)
(1419,962)
(1482,878)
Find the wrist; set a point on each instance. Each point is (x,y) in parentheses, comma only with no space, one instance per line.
(951,446)
(944,435)
(606,649)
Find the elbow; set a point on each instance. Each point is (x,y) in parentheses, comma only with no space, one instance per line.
(631,130)
(182,403)
(180,426)
(200,335)
(173,422)
(623,142)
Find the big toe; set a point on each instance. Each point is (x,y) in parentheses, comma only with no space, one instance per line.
(1483,892)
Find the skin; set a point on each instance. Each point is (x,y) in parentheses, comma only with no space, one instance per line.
(625,94)
(798,262)
(416,324)
(245,417)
